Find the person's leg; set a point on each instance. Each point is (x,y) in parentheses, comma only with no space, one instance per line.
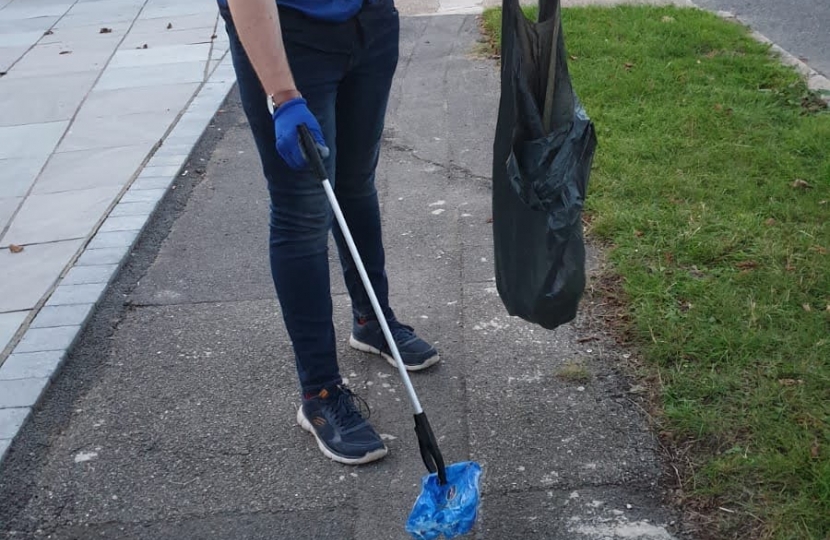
(361,109)
(299,224)
(300,215)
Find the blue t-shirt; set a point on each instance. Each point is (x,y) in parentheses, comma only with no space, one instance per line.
(326,10)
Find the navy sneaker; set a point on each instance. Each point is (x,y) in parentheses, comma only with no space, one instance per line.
(417,354)
(341,430)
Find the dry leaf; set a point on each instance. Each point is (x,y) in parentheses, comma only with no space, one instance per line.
(574,58)
(48,33)
(770,222)
(806,307)
(666,18)
(489,220)
(105,31)
(799,183)
(718,107)
(747,265)
(14,248)
(169,26)
(65,52)
(628,65)
(819,249)
(822,203)
(790,382)
(789,267)
(814,450)
(213,36)
(638,234)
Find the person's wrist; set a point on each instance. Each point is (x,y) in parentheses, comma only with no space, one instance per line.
(281,96)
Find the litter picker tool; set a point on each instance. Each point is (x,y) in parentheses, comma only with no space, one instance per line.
(449,498)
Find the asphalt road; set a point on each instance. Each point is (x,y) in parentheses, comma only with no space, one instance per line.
(801,27)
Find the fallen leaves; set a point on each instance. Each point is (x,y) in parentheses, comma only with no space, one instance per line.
(770,222)
(815,450)
(628,66)
(798,183)
(639,234)
(820,250)
(65,52)
(806,307)
(169,26)
(105,30)
(14,248)
(48,33)
(790,382)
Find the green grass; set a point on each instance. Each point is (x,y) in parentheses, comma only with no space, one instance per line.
(724,262)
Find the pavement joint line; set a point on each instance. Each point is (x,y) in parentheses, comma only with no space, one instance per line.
(18,392)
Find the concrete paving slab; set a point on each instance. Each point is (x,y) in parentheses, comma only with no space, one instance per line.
(18,174)
(80,275)
(86,293)
(111,239)
(20,393)
(51,217)
(332,524)
(86,35)
(58,59)
(92,168)
(139,77)
(206,19)
(143,195)
(28,275)
(10,55)
(30,141)
(33,100)
(9,324)
(584,514)
(89,133)
(57,338)
(166,98)
(20,39)
(234,444)
(74,314)
(160,55)
(11,420)
(122,223)
(32,10)
(36,24)
(109,8)
(38,365)
(103,256)
(144,208)
(157,38)
(8,206)
(234,247)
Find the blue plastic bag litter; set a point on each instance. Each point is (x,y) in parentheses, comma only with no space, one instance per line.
(450,509)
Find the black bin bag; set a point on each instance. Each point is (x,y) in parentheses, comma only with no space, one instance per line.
(542,155)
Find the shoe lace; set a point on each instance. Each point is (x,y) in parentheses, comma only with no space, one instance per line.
(350,409)
(401,332)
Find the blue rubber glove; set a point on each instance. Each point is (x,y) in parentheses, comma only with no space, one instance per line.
(287,118)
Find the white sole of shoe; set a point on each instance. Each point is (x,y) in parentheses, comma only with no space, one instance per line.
(355,344)
(371,456)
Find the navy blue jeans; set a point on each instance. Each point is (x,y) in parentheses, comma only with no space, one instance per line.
(345,73)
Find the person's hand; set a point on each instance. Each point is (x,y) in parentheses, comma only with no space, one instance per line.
(287,118)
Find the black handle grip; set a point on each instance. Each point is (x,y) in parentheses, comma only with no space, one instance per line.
(312,154)
(430,453)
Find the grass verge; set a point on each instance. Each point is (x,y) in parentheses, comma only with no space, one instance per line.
(711,189)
